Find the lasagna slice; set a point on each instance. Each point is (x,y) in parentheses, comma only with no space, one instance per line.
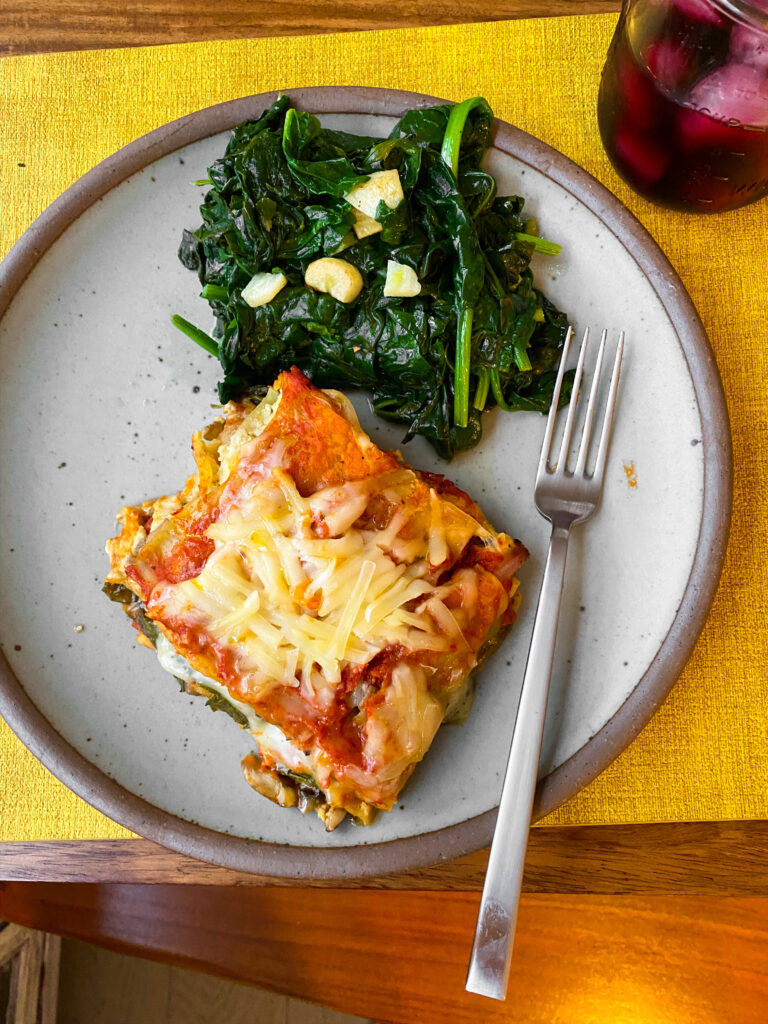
(332,599)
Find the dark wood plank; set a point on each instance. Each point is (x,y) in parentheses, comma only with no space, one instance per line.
(706,858)
(140,861)
(38,26)
(402,956)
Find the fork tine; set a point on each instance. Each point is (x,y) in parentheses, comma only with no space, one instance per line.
(605,434)
(586,435)
(552,418)
(565,445)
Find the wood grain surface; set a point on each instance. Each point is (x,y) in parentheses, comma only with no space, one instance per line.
(704,858)
(402,956)
(31,958)
(123,989)
(38,26)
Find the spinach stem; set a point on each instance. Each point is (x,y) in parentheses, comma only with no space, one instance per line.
(214,292)
(449,151)
(498,394)
(522,359)
(489,197)
(496,287)
(461,369)
(540,244)
(199,337)
(481,394)
(455,128)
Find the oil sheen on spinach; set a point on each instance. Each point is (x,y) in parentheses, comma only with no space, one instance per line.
(478,335)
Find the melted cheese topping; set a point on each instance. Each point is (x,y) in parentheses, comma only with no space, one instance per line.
(270,739)
(297,555)
(405,725)
(298,607)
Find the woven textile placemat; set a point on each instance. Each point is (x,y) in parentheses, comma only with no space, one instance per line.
(705,754)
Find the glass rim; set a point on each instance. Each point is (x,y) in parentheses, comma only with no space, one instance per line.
(744,11)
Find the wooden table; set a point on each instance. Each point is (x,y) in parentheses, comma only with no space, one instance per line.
(39,26)
(604,903)
(618,923)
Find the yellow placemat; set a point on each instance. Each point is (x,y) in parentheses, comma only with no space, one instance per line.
(705,754)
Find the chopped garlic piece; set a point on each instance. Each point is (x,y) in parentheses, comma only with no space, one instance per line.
(381,187)
(365,225)
(401,281)
(262,288)
(338,278)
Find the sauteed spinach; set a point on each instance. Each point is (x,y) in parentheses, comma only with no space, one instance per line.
(477,334)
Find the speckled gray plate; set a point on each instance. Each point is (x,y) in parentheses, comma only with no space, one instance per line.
(99,396)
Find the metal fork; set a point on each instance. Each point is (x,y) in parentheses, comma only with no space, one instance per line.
(564,497)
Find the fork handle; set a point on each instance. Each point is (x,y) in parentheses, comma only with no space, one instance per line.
(494,935)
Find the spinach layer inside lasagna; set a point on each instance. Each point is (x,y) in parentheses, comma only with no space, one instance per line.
(332,599)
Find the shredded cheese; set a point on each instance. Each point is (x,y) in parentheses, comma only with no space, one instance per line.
(297,607)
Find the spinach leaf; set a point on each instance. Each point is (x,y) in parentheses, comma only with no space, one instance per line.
(217,702)
(314,159)
(119,593)
(478,334)
(424,126)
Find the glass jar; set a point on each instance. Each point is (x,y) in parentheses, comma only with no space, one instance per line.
(683,106)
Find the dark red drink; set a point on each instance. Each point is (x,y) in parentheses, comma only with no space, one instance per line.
(683,107)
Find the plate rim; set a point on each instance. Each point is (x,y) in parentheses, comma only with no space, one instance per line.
(310,862)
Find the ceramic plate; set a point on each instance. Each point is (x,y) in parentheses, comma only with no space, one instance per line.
(99,397)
